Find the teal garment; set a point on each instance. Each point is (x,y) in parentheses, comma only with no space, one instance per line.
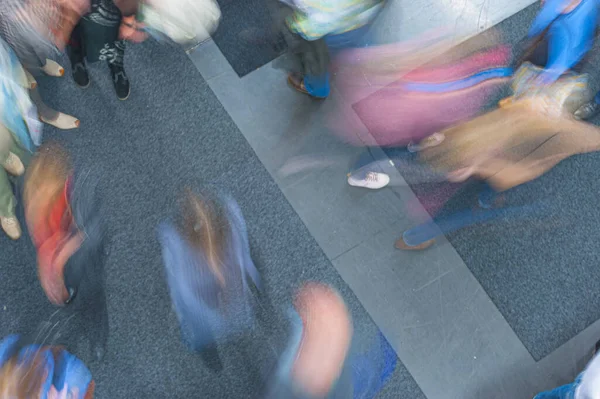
(14,97)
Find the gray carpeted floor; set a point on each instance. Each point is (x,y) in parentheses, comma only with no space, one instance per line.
(248,36)
(171,132)
(541,273)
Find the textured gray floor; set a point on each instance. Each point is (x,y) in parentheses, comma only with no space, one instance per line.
(247,35)
(172,131)
(541,274)
(437,316)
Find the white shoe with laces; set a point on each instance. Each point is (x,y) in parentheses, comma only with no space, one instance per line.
(372,180)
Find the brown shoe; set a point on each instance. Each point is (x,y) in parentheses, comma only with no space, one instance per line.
(13,165)
(400,244)
(11,227)
(297,82)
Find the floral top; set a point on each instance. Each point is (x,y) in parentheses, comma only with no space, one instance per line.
(314,19)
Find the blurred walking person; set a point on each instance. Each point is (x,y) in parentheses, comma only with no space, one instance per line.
(208,268)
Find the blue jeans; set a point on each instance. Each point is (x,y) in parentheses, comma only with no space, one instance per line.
(318,85)
(563,392)
(448,224)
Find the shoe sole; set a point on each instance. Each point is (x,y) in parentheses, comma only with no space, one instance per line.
(368,188)
(125,98)
(400,244)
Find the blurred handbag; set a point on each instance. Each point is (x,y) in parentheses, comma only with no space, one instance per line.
(181,21)
(423,101)
(569,92)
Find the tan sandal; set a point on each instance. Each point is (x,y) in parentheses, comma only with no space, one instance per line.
(13,165)
(63,121)
(400,244)
(52,68)
(11,227)
(297,82)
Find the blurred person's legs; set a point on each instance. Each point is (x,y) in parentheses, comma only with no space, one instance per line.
(84,274)
(424,235)
(210,357)
(585,386)
(11,164)
(76,52)
(96,38)
(317,84)
(32,50)
(52,116)
(366,172)
(117,70)
(200,340)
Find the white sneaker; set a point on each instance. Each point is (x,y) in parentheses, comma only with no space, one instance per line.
(372,180)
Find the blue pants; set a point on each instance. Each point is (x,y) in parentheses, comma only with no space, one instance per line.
(563,392)
(318,85)
(448,224)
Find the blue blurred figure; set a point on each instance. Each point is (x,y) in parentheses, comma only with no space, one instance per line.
(319,361)
(585,386)
(208,266)
(570,27)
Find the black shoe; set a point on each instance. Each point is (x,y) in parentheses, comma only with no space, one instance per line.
(120,81)
(80,74)
(587,111)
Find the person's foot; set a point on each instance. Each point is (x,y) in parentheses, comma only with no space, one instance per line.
(297,82)
(401,244)
(11,227)
(52,68)
(13,165)
(80,74)
(496,201)
(372,180)
(430,141)
(587,111)
(62,121)
(120,81)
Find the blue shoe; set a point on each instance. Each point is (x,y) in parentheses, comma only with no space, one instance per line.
(297,82)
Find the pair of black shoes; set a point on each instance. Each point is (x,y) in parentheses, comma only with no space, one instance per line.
(120,80)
